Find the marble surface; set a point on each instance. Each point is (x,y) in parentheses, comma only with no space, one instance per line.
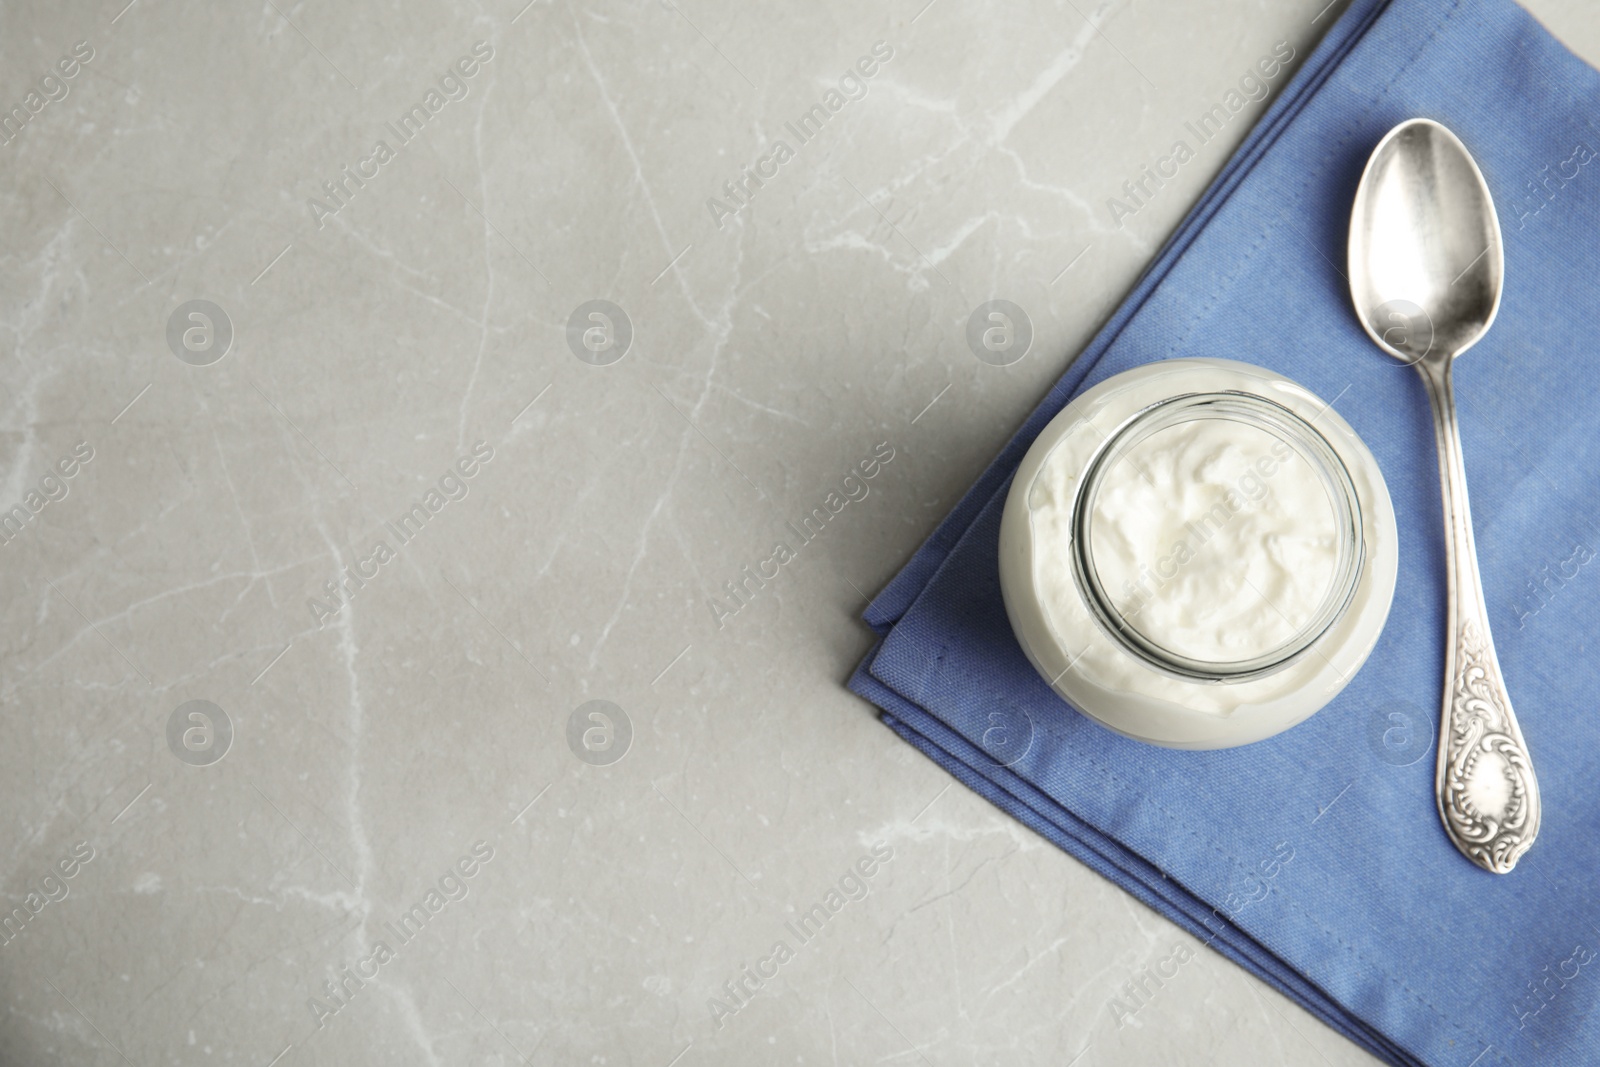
(408,780)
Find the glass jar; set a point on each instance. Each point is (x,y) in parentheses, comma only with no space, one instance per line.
(1250,594)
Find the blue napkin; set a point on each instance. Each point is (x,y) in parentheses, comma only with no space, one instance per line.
(1315,859)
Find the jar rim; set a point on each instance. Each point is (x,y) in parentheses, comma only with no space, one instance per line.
(1308,443)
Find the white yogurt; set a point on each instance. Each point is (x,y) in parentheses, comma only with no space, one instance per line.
(1256,584)
(1214,539)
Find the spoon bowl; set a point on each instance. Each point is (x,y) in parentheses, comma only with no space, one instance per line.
(1426,236)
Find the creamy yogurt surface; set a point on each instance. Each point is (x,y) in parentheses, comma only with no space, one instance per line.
(1212,500)
(1214,539)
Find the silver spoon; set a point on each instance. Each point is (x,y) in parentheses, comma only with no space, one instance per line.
(1426,272)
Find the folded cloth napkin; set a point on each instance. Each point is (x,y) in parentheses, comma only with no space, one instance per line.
(1316,859)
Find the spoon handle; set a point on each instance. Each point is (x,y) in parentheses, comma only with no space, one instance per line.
(1488,796)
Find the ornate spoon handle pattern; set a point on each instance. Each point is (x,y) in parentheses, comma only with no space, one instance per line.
(1488,796)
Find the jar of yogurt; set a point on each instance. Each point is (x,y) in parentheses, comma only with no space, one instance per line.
(1198,553)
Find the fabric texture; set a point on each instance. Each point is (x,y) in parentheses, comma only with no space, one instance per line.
(1373,922)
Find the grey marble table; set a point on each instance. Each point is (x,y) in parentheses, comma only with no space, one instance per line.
(399,665)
